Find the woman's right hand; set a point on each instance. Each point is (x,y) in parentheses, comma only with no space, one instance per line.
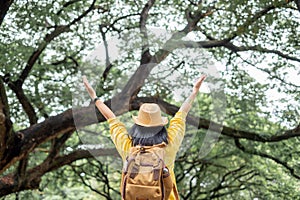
(198,83)
(89,88)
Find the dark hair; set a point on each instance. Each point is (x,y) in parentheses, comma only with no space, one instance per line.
(148,136)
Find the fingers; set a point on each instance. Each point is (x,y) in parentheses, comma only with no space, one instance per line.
(89,89)
(84,79)
(85,82)
(198,83)
(201,79)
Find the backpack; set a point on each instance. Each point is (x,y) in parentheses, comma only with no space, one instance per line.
(145,175)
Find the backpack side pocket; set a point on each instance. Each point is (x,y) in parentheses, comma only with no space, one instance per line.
(167,182)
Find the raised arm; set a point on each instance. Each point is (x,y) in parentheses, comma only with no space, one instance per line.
(187,104)
(106,111)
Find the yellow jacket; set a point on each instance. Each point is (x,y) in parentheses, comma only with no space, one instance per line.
(176,131)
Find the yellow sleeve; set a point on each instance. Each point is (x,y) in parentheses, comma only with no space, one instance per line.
(119,136)
(176,130)
(176,133)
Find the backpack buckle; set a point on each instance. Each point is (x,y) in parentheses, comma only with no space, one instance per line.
(142,149)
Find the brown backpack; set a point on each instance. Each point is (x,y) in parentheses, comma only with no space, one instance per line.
(145,176)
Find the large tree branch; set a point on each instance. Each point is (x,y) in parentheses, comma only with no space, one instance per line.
(138,78)
(16,86)
(9,183)
(258,48)
(65,5)
(4,7)
(6,135)
(112,25)
(47,39)
(298,4)
(145,56)
(64,123)
(79,154)
(108,64)
(213,42)
(224,130)
(175,41)
(229,45)
(56,145)
(241,29)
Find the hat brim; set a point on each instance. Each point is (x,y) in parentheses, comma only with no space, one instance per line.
(164,121)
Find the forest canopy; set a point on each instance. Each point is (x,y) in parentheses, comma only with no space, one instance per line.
(243,132)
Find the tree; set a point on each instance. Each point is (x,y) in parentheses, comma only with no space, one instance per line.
(43,45)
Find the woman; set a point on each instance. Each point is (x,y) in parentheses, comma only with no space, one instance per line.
(149,128)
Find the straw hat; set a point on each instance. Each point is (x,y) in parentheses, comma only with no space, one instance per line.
(150,115)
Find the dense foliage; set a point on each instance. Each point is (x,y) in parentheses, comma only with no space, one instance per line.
(243,133)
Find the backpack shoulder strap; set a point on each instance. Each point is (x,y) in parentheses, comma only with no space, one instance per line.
(161,145)
(144,148)
(175,191)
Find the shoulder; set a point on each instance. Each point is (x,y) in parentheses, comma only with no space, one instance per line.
(114,122)
(180,115)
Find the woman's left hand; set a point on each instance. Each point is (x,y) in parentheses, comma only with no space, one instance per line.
(89,88)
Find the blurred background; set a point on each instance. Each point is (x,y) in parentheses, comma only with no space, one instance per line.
(243,132)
